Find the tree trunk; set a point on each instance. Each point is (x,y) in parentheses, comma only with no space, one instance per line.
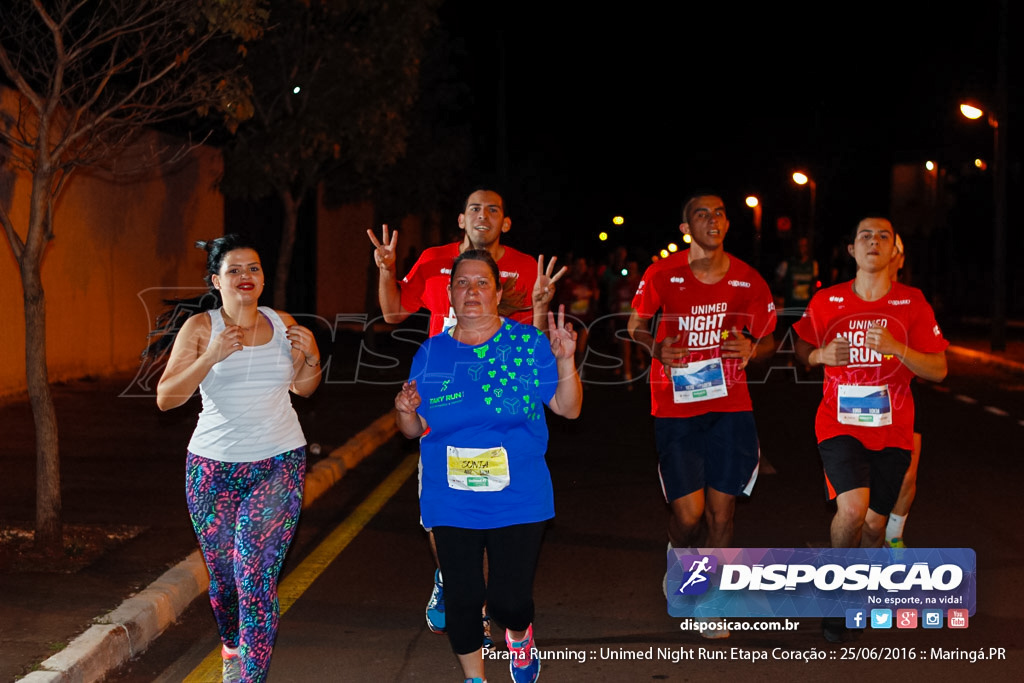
(49,521)
(287,249)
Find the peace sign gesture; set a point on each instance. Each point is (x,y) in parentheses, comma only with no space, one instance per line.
(544,287)
(384,250)
(561,335)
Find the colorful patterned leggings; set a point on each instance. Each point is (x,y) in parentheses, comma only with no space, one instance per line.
(244,515)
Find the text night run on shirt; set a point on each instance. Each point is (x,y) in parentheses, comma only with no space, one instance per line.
(859,354)
(704,325)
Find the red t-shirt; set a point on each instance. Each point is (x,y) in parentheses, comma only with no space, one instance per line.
(703,314)
(426,284)
(838,311)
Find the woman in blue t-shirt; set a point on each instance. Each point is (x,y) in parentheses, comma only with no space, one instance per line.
(476,397)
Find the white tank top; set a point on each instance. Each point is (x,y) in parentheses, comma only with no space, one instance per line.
(247,413)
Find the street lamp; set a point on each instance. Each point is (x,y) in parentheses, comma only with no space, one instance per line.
(755,204)
(998,341)
(803,179)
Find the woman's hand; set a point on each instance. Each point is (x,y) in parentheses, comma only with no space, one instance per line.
(226,343)
(303,341)
(408,399)
(568,398)
(563,339)
(409,422)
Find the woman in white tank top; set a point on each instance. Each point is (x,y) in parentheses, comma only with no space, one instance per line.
(246,459)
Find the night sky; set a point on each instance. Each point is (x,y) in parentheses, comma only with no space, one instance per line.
(628,109)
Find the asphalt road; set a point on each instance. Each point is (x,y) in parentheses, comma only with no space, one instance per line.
(601,615)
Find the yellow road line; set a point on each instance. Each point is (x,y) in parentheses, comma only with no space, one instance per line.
(299,580)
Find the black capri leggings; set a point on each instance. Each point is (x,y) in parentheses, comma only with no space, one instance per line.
(512,553)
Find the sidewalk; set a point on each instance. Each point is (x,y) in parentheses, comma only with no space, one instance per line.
(122,465)
(122,468)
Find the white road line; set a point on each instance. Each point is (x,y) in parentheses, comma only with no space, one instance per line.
(996,411)
(965,399)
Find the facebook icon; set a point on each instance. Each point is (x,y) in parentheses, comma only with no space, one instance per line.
(856,618)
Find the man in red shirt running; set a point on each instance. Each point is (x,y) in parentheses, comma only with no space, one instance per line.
(717,314)
(872,335)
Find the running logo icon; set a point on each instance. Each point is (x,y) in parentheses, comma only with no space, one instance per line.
(695,580)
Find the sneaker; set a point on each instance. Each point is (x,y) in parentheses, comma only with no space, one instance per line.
(488,643)
(834,630)
(524,664)
(895,543)
(716,630)
(231,671)
(435,607)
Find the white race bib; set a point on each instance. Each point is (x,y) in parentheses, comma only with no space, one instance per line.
(864,406)
(700,380)
(478,469)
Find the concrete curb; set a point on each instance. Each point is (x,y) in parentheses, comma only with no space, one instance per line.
(138,621)
(986,358)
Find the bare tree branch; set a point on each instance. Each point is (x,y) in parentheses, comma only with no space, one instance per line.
(17,245)
(90,75)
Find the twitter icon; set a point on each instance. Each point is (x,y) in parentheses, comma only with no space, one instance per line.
(881,618)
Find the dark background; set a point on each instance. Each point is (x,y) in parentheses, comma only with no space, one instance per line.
(585,113)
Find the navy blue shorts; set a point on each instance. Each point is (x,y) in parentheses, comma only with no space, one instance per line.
(718,450)
(849,465)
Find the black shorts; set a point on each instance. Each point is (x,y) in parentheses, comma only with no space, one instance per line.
(849,465)
(719,450)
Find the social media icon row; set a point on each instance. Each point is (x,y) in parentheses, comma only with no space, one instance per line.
(905,618)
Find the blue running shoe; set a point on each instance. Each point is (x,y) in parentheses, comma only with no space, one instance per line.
(524,664)
(488,644)
(435,607)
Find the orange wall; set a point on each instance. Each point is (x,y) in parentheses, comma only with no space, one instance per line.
(121,244)
(346,274)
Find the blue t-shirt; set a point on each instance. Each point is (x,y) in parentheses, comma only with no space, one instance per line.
(482,397)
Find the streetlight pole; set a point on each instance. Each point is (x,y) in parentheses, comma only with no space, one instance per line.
(998,340)
(997,121)
(999,191)
(755,204)
(803,179)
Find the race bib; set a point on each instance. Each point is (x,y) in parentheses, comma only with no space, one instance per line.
(700,380)
(864,406)
(478,469)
